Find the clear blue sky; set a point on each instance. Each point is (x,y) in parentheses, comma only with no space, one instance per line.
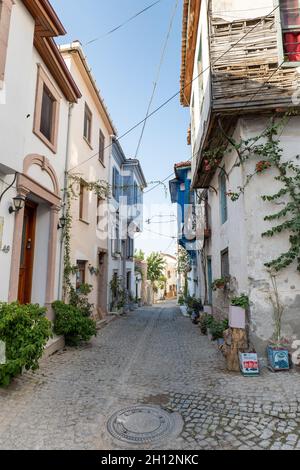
(125,65)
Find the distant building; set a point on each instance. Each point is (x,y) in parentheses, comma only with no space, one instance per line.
(167,288)
(126,215)
(185,198)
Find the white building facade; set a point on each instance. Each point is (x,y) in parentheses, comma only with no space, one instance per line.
(236,87)
(89,156)
(36,91)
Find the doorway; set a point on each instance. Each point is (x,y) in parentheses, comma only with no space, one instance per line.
(27,253)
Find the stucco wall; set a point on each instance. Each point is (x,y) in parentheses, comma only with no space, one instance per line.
(201,111)
(18,140)
(241,234)
(235,9)
(87,240)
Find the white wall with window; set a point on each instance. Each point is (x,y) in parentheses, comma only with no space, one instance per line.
(33,121)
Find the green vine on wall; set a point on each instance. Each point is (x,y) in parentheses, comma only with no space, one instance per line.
(270,156)
(102,190)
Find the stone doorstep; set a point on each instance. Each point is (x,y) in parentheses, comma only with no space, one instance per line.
(108,319)
(57,343)
(54,344)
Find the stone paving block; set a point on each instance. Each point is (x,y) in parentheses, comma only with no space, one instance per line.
(155,356)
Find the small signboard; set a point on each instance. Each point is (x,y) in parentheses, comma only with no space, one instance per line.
(249,363)
(278,358)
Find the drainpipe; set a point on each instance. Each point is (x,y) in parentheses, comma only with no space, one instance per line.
(112,137)
(67,162)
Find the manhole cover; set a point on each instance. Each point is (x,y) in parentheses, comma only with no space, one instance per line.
(143,424)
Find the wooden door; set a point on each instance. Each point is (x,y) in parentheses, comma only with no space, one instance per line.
(27,253)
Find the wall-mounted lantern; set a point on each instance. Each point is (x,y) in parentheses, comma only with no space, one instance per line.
(62,223)
(18,204)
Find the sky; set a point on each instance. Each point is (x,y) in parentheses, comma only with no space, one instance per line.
(125,65)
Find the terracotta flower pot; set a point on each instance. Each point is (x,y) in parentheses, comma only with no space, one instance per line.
(237,317)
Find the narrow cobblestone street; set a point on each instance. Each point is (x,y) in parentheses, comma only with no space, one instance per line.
(152,356)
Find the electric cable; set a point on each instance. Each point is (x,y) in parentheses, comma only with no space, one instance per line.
(123,24)
(171,98)
(164,50)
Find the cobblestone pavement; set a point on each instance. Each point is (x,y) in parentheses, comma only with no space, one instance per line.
(152,356)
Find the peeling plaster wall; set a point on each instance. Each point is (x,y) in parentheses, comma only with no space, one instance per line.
(248,251)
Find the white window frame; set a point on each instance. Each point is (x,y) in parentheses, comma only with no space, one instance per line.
(281,53)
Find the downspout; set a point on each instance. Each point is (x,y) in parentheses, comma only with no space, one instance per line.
(112,137)
(67,163)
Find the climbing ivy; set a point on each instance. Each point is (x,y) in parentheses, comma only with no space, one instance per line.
(102,190)
(270,156)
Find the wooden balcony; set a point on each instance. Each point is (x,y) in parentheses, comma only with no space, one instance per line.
(250,75)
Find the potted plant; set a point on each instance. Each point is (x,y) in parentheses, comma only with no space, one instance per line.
(189,305)
(197,307)
(217,328)
(219,283)
(237,311)
(182,302)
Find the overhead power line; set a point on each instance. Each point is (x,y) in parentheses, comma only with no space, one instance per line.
(171,98)
(160,234)
(124,23)
(164,50)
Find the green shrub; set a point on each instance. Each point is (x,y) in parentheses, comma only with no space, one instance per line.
(241,301)
(205,322)
(197,305)
(70,322)
(181,300)
(193,304)
(79,299)
(25,331)
(217,328)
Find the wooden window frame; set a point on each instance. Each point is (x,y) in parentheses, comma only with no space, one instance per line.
(88,112)
(280,31)
(101,147)
(225,252)
(115,184)
(43,80)
(83,263)
(83,206)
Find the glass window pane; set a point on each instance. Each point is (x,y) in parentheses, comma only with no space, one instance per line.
(47,114)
